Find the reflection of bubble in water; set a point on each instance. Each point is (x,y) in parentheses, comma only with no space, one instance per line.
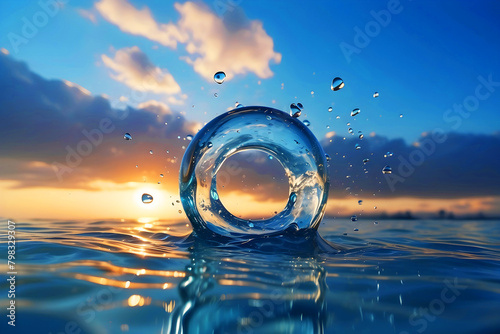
(219,77)
(285,138)
(147,198)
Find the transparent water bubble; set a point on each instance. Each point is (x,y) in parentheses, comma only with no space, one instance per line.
(216,95)
(219,77)
(189,137)
(337,84)
(150,151)
(375,94)
(387,170)
(295,111)
(361,136)
(357,147)
(308,175)
(388,154)
(356,230)
(147,198)
(366,160)
(127,136)
(237,105)
(161,175)
(351,131)
(360,202)
(330,109)
(354,218)
(300,105)
(355,111)
(307,123)
(401,115)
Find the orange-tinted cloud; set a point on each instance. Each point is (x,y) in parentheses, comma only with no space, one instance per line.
(132,67)
(213,44)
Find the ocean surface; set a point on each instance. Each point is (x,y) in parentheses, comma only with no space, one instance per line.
(121,276)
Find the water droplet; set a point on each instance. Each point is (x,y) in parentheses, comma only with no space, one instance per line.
(375,94)
(365,160)
(136,166)
(293,197)
(360,202)
(375,207)
(401,116)
(307,123)
(269,118)
(338,117)
(237,105)
(180,211)
(355,111)
(350,131)
(354,218)
(388,154)
(215,94)
(127,136)
(357,146)
(209,144)
(250,224)
(361,136)
(337,84)
(219,77)
(356,230)
(300,105)
(147,198)
(328,158)
(387,170)
(150,151)
(330,109)
(161,175)
(189,137)
(375,223)
(295,111)
(168,151)
(348,123)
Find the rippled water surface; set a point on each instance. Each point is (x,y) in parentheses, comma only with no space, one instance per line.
(153,277)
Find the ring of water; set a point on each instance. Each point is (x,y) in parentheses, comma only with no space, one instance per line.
(254,128)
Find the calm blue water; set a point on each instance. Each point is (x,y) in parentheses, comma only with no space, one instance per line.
(151,277)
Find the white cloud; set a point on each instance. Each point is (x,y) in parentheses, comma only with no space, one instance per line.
(212,45)
(133,68)
(89,15)
(156,107)
(139,22)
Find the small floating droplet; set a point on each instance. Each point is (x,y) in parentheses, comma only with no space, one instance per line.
(401,116)
(270,157)
(293,197)
(388,154)
(161,175)
(365,160)
(338,117)
(209,144)
(355,111)
(250,224)
(237,105)
(387,170)
(150,151)
(219,77)
(356,230)
(375,223)
(360,202)
(350,131)
(300,105)
(189,137)
(361,136)
(269,118)
(328,158)
(215,94)
(295,111)
(307,123)
(330,109)
(127,136)
(375,94)
(147,198)
(357,146)
(354,218)
(337,84)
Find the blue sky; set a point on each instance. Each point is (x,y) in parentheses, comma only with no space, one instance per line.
(427,58)
(433,62)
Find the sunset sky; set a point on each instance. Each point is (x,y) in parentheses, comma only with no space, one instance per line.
(75,76)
